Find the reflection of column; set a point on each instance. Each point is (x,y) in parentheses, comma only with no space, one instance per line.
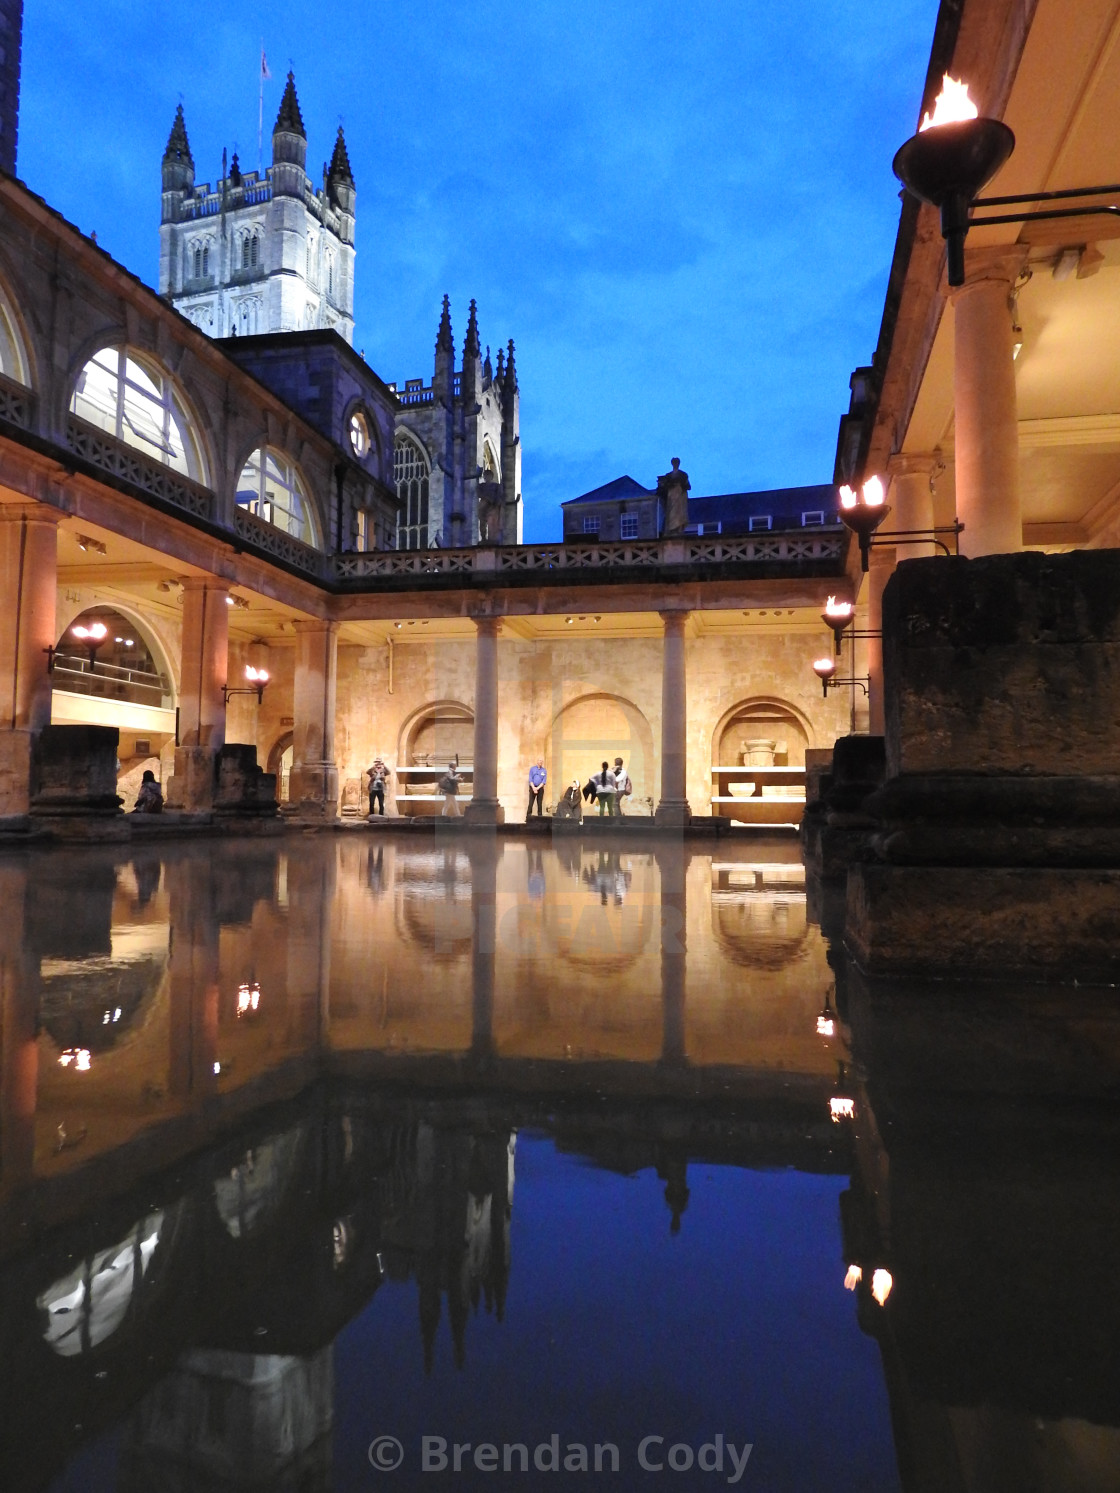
(484,806)
(19,1047)
(484,938)
(313,785)
(202,711)
(193,981)
(673,807)
(672,863)
(29,583)
(985,411)
(311,884)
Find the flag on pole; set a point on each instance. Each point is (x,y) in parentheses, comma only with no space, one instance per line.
(264,66)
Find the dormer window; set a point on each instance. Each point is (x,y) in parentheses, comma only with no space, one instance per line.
(592,523)
(760,521)
(811,519)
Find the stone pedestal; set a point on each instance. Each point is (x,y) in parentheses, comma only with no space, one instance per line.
(998,846)
(836,826)
(313,785)
(242,788)
(74,780)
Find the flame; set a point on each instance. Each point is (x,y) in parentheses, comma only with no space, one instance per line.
(881,1283)
(826,1027)
(842,1109)
(950,106)
(823,666)
(874,493)
(838,609)
(79,1056)
(853,1277)
(848,498)
(258,676)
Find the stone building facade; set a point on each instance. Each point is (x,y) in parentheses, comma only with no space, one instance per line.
(255,254)
(458,454)
(11,48)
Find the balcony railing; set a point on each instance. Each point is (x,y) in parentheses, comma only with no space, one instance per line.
(132,466)
(823,547)
(17,404)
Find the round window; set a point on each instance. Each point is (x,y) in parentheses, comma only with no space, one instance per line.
(359,433)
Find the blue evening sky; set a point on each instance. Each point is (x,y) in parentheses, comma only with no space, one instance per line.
(682,213)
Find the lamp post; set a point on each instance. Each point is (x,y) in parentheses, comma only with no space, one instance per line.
(92,636)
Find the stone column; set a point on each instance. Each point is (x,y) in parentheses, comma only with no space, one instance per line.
(202,711)
(673,807)
(19,1033)
(986,415)
(29,585)
(484,807)
(313,786)
(879,573)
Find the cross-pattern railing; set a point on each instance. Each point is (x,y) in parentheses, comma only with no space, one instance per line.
(130,465)
(795,548)
(275,542)
(16,403)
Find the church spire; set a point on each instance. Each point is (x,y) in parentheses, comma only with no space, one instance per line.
(444,341)
(289,119)
(500,376)
(178,146)
(488,367)
(511,371)
(472,347)
(338,172)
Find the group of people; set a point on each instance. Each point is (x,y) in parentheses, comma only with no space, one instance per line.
(609,787)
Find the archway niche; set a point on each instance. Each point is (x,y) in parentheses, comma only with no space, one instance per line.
(280,763)
(440,733)
(595,729)
(761,732)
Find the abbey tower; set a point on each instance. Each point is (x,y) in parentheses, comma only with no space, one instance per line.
(255,254)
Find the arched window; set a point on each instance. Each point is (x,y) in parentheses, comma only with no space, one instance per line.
(410,472)
(245,253)
(140,406)
(13,363)
(489,465)
(205,260)
(271,488)
(330,275)
(254,251)
(198,261)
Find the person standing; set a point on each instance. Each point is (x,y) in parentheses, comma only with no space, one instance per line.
(449,787)
(605,790)
(377,774)
(537,779)
(623,786)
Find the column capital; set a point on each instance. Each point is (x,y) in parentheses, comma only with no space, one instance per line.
(915,463)
(316,625)
(1001,264)
(487,626)
(29,512)
(196,583)
(675,621)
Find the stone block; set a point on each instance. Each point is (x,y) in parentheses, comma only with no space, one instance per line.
(962,922)
(74,771)
(15,773)
(1005,664)
(241,787)
(191,785)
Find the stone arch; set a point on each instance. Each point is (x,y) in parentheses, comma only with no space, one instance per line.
(17,360)
(598,726)
(162,648)
(763,717)
(155,388)
(276,764)
(412,472)
(438,730)
(491,466)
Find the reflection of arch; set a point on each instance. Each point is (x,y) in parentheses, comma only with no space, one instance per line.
(598,727)
(280,759)
(130,396)
(435,733)
(433,907)
(761,932)
(765,716)
(608,924)
(252,1192)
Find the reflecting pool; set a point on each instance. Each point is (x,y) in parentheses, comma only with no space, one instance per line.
(530,1162)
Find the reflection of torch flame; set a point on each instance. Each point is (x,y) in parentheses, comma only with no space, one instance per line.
(853,1277)
(842,1109)
(950,106)
(826,1027)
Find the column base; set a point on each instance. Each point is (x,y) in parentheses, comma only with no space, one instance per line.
(15,772)
(673,814)
(313,790)
(191,784)
(484,811)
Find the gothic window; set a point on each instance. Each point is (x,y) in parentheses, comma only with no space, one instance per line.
(489,465)
(198,261)
(411,474)
(245,253)
(139,405)
(271,487)
(205,260)
(330,275)
(255,251)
